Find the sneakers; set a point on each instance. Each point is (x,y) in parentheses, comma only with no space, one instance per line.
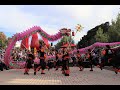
(48,69)
(26,73)
(91,70)
(116,72)
(34,73)
(101,68)
(80,70)
(42,73)
(66,74)
(56,69)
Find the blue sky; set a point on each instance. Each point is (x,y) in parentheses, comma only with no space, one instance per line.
(51,18)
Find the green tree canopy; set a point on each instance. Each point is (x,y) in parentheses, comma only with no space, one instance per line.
(3,40)
(114,30)
(65,39)
(100,36)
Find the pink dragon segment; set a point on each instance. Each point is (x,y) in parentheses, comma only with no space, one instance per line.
(27,33)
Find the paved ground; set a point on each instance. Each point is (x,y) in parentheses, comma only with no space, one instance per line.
(52,77)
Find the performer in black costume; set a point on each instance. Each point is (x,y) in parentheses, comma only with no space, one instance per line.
(108,55)
(42,60)
(29,63)
(116,60)
(36,64)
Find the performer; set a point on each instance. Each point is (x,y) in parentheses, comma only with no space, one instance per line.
(116,61)
(58,59)
(65,67)
(42,57)
(56,62)
(50,64)
(80,61)
(108,54)
(89,56)
(102,58)
(29,63)
(36,64)
(74,59)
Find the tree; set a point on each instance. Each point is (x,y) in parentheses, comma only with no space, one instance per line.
(114,30)
(100,36)
(65,39)
(3,40)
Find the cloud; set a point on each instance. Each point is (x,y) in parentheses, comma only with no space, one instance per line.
(90,15)
(52,18)
(78,11)
(79,35)
(14,20)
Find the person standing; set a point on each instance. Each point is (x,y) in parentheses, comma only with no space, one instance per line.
(42,57)
(74,59)
(80,62)
(58,56)
(108,55)
(1,66)
(36,64)
(89,56)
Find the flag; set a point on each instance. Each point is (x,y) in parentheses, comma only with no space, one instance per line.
(45,41)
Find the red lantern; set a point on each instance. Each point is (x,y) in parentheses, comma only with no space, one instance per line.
(73,34)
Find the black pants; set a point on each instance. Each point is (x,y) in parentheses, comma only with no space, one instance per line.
(91,64)
(80,63)
(4,66)
(116,62)
(35,66)
(58,63)
(65,65)
(1,67)
(42,64)
(50,64)
(74,60)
